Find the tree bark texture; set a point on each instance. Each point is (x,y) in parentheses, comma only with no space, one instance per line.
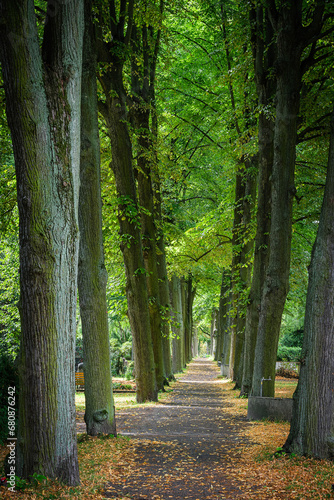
(159,234)
(312,426)
(43,110)
(190,292)
(223,326)
(184,319)
(261,252)
(239,193)
(245,259)
(194,345)
(92,274)
(222,314)
(289,50)
(217,352)
(191,297)
(263,65)
(160,246)
(131,246)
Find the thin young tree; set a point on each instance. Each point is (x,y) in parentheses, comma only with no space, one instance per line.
(245,192)
(162,270)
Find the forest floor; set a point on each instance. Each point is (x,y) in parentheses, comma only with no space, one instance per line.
(195,444)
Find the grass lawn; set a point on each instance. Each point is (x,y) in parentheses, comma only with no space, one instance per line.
(285,387)
(121,399)
(126,400)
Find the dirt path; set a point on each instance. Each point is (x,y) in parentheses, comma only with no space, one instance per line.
(185,445)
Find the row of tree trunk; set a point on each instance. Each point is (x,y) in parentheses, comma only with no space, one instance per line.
(182,295)
(248,353)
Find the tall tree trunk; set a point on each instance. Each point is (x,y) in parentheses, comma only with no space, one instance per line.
(131,245)
(245,259)
(163,282)
(239,194)
(263,64)
(222,315)
(188,319)
(184,319)
(213,332)
(165,328)
(241,270)
(226,353)
(276,284)
(92,274)
(177,324)
(194,346)
(312,426)
(261,254)
(245,192)
(159,232)
(223,330)
(220,321)
(145,47)
(43,109)
(148,231)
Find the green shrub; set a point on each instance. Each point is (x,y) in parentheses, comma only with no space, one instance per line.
(290,345)
(129,374)
(293,338)
(118,352)
(285,353)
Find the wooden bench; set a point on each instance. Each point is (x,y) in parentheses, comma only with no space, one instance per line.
(79,381)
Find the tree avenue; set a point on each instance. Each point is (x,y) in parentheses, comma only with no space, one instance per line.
(204,127)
